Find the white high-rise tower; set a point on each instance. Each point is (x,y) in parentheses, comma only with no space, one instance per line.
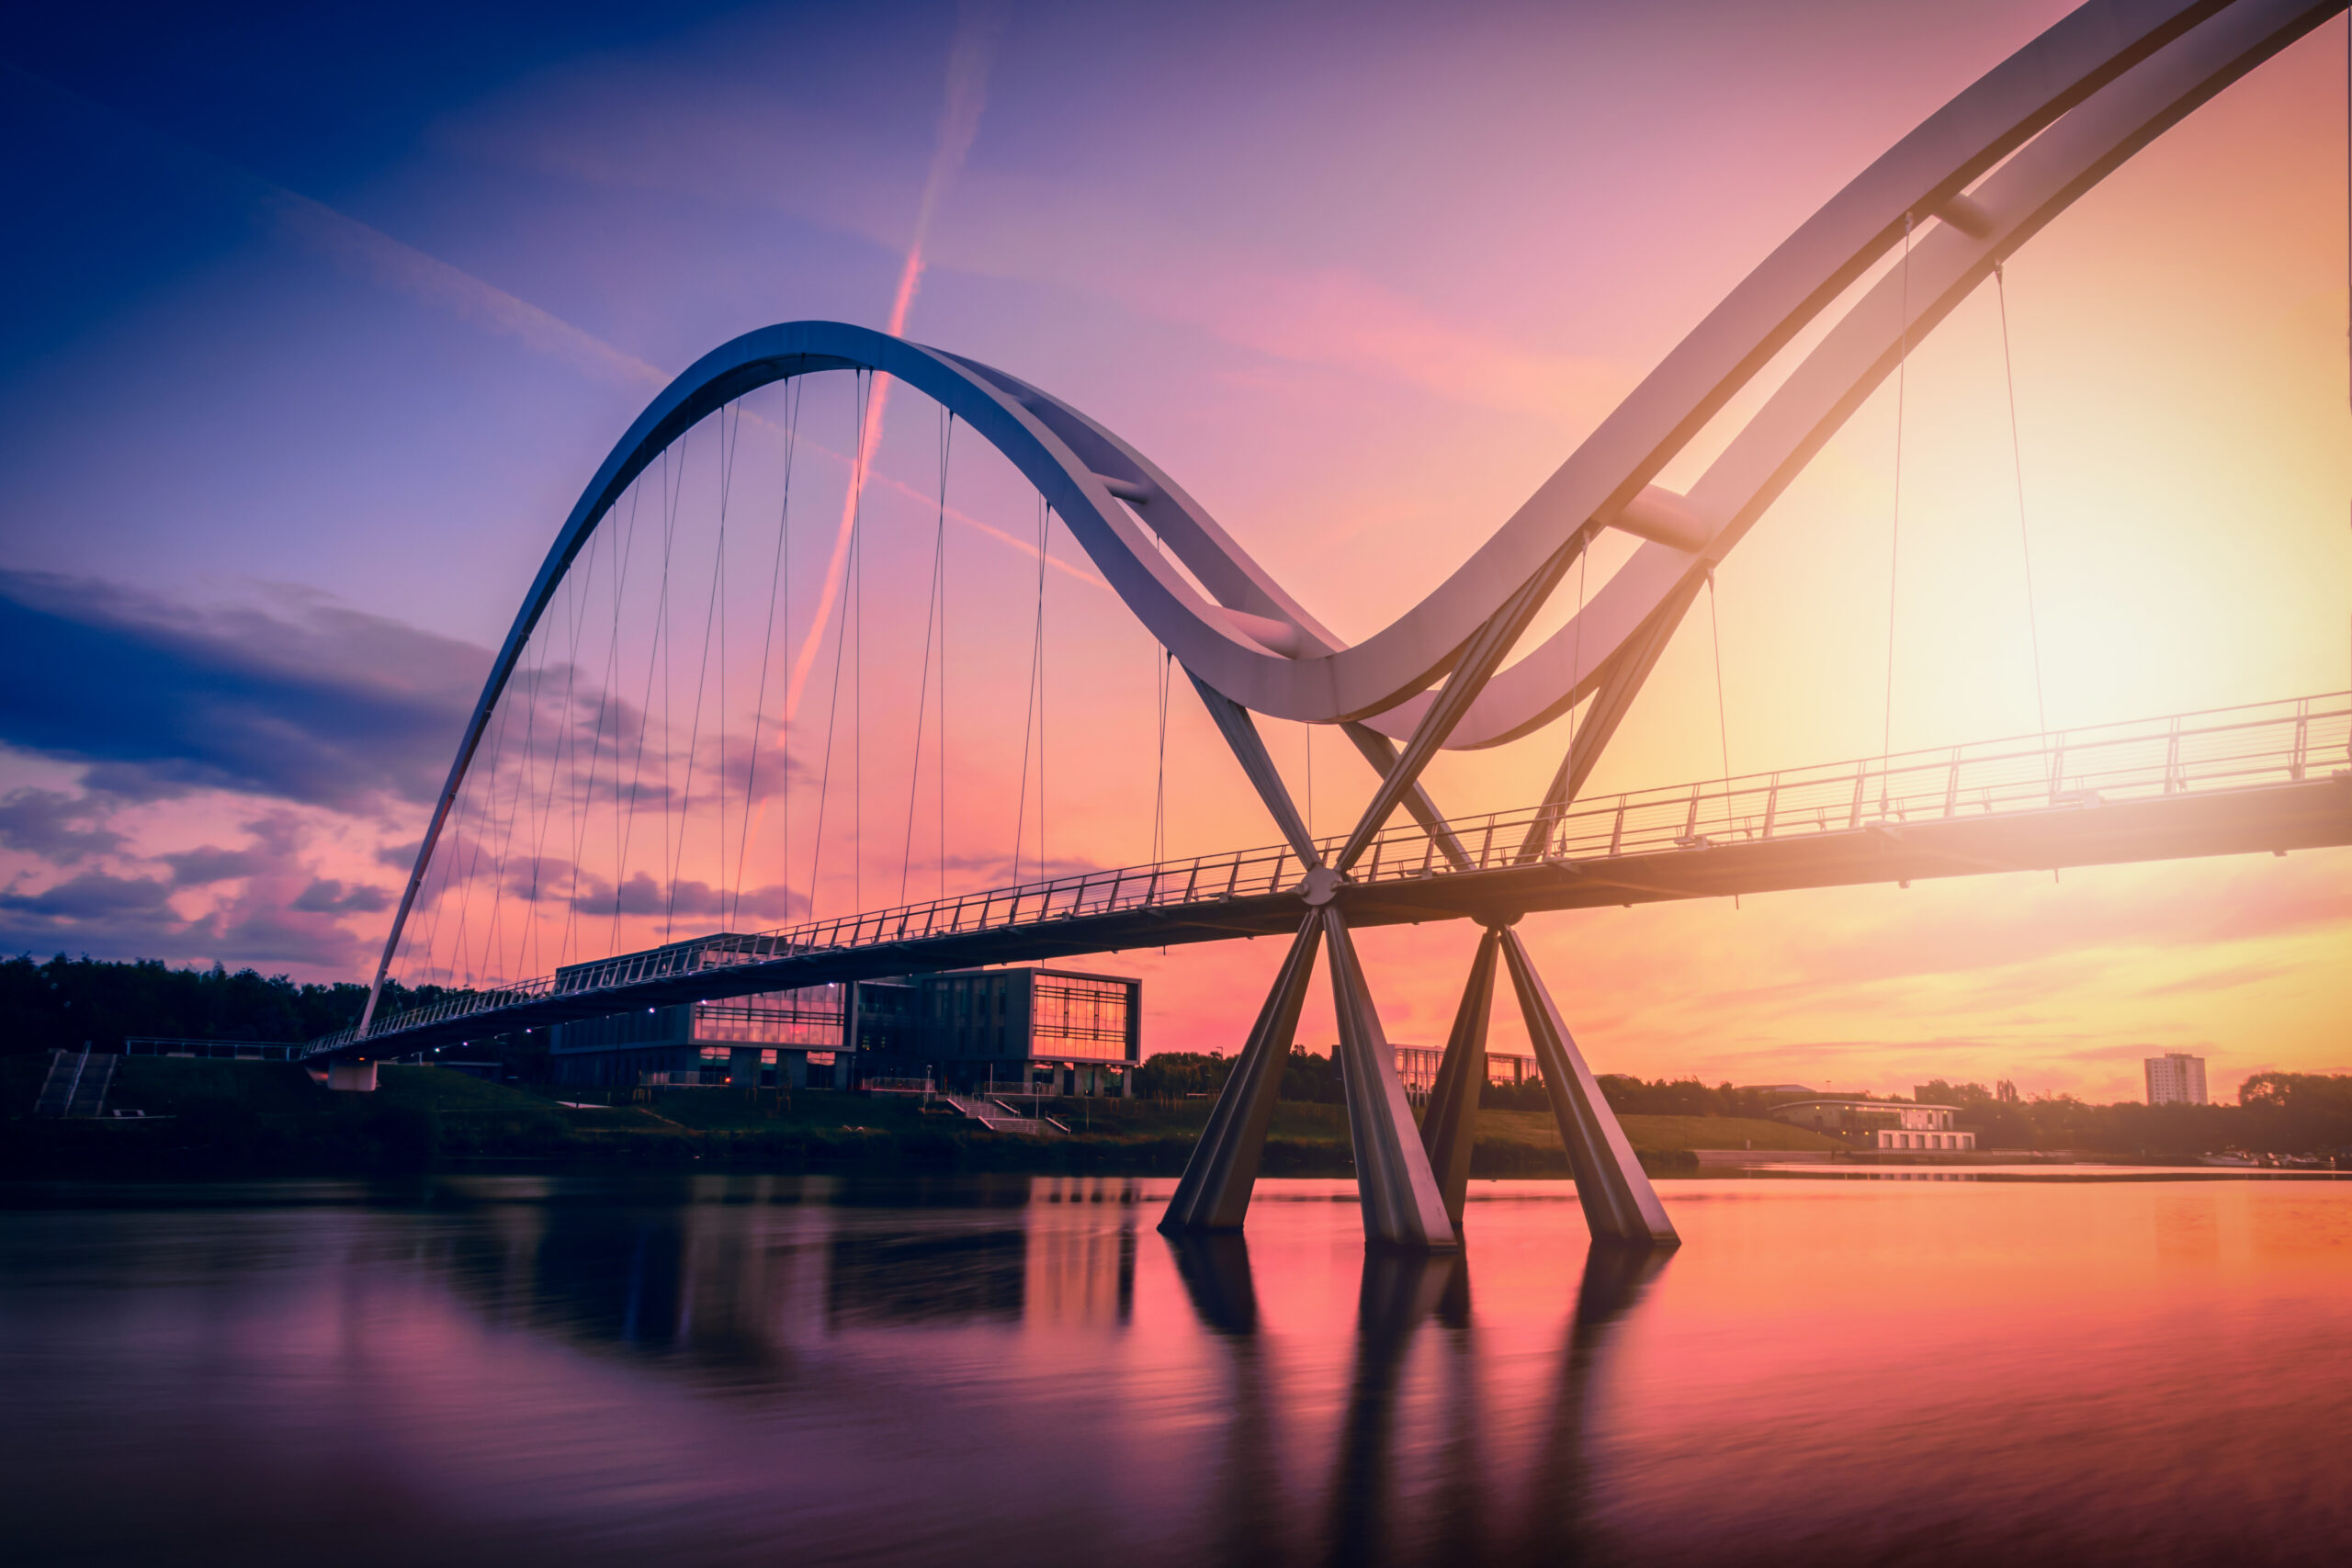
(2174,1078)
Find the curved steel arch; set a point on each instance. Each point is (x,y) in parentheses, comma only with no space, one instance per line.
(2064,111)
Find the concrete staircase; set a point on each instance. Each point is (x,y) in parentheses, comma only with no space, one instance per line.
(998,1117)
(76,1084)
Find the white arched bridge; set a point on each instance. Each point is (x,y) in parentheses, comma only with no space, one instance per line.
(549,812)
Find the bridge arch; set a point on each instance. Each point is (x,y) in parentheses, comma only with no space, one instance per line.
(1991,168)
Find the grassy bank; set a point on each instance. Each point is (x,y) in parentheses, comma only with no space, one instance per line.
(242,1118)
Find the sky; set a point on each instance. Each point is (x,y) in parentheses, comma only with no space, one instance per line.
(315,324)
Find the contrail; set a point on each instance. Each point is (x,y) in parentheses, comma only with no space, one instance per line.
(959,122)
(392,264)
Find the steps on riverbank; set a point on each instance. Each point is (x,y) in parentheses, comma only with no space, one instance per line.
(998,1117)
(76,1084)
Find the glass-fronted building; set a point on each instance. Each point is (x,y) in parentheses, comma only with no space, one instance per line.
(1021,1031)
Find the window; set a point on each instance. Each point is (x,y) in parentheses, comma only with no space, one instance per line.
(1071,1016)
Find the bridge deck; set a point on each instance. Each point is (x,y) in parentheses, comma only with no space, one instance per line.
(2275,777)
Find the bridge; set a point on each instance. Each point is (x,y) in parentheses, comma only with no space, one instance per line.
(2271,777)
(1464,668)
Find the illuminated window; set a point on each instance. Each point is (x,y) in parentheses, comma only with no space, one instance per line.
(1077,1018)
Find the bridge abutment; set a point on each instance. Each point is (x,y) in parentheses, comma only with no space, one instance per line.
(351,1077)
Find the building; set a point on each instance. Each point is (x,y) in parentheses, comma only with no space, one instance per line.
(1417,1065)
(1025,1031)
(2175,1079)
(1880,1123)
(772,1040)
(1041,1031)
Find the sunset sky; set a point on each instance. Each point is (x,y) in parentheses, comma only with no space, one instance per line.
(315,326)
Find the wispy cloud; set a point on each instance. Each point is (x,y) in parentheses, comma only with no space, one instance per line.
(315,702)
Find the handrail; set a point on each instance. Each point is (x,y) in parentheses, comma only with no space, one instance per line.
(2217,748)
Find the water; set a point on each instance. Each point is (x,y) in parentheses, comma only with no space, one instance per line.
(802,1371)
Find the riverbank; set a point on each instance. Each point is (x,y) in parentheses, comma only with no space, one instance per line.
(207,1118)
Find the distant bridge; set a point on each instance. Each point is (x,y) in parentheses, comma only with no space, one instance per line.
(1936,214)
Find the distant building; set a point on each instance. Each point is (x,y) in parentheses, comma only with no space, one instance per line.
(1417,1066)
(2174,1078)
(1048,1030)
(1880,1123)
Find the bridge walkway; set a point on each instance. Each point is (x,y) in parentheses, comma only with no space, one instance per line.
(2273,777)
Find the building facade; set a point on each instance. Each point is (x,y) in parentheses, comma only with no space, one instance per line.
(1020,1031)
(1417,1066)
(1012,1031)
(1888,1124)
(2175,1079)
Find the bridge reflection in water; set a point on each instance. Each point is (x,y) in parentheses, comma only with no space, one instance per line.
(704,1369)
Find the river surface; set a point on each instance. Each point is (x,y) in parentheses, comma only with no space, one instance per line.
(804,1370)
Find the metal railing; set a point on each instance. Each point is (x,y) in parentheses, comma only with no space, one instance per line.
(2221,748)
(233,1050)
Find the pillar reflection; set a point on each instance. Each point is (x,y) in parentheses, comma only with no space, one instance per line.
(1400,1289)
(1247,1490)
(1615,1279)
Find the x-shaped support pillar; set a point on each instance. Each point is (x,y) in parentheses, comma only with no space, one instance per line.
(1403,1203)
(1413,1189)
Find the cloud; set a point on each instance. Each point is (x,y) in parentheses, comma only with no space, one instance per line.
(41,822)
(315,703)
(327,896)
(93,894)
(208,864)
(95,912)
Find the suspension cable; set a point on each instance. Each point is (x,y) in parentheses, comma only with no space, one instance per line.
(931,615)
(1723,723)
(627,551)
(1310,782)
(464,951)
(574,592)
(857,657)
(626,823)
(674,503)
(944,452)
(767,657)
(1159,771)
(713,612)
(1033,717)
(1894,531)
(841,643)
(569,743)
(1576,653)
(2016,467)
(493,942)
(1715,636)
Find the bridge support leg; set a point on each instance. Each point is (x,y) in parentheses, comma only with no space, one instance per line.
(1215,1193)
(1620,1205)
(1402,1206)
(1450,1126)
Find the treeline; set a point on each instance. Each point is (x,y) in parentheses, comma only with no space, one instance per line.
(1309,1076)
(2277,1112)
(61,1003)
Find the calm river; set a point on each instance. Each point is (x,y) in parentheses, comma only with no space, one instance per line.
(800,1371)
